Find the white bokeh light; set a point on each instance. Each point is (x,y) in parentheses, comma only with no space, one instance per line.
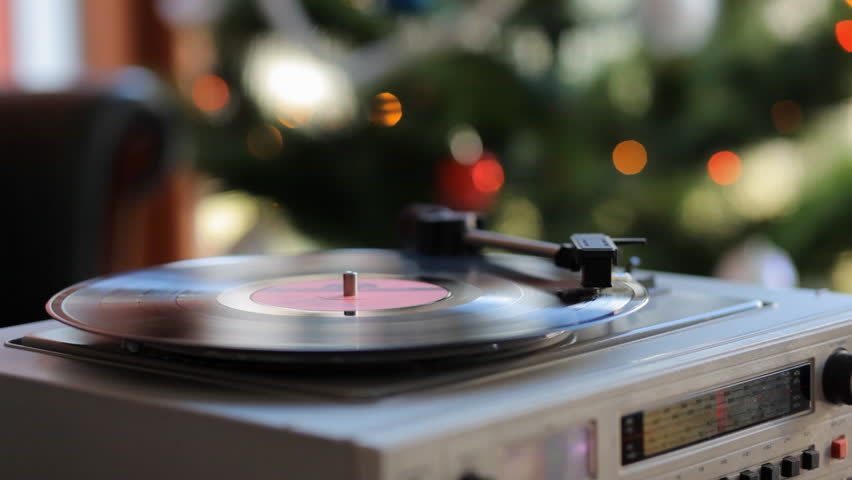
(678,27)
(771,181)
(531,51)
(788,20)
(293,84)
(465,145)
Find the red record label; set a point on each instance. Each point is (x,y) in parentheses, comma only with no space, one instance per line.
(327,295)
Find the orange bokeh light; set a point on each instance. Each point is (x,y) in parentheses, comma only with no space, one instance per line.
(210,93)
(724,167)
(386,110)
(629,157)
(843,32)
(295,117)
(786,116)
(487,175)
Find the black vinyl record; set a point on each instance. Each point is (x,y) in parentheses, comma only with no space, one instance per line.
(296,304)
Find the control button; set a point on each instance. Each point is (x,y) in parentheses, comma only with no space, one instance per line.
(748,475)
(790,467)
(839,447)
(810,459)
(770,471)
(836,377)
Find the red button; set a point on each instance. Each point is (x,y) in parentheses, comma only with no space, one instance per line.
(839,447)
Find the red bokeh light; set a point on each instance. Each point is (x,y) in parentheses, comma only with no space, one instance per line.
(724,167)
(487,175)
(843,32)
(210,93)
(470,187)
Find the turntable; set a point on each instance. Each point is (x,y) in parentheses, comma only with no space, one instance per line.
(436,362)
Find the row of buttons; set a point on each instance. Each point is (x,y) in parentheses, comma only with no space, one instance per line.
(789,467)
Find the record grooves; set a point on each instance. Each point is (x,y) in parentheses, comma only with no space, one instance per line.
(403,305)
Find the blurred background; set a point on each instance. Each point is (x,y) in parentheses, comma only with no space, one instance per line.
(719,129)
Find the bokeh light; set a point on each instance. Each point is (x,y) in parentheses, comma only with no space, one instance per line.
(705,213)
(531,51)
(210,93)
(299,89)
(287,121)
(584,52)
(843,31)
(841,274)
(757,260)
(630,88)
(487,175)
(724,167)
(597,10)
(519,216)
(790,20)
(771,181)
(264,141)
(683,29)
(786,116)
(629,157)
(465,145)
(295,118)
(386,110)
(222,219)
(470,187)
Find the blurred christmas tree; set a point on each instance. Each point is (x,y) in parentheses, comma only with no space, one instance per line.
(697,123)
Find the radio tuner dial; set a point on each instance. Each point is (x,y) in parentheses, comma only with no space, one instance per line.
(837,378)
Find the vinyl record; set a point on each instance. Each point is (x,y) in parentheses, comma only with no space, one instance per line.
(297,304)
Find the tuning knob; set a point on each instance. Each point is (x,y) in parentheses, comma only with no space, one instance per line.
(837,377)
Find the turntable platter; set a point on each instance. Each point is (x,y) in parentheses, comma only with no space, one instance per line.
(300,304)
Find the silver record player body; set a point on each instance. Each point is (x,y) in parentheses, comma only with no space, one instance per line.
(81,405)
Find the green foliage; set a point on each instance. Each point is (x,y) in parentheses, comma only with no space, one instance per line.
(554,140)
